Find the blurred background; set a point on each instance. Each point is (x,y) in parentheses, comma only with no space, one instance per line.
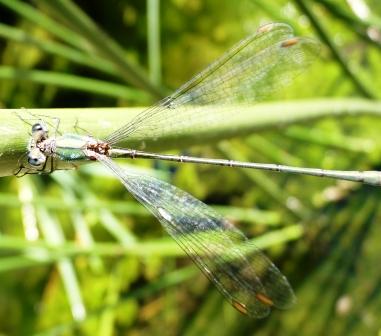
(80,256)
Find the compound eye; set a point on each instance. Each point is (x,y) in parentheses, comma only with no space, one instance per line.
(36,158)
(37,127)
(34,161)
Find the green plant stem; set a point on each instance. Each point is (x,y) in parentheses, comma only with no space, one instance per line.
(166,281)
(73,82)
(42,252)
(351,21)
(34,15)
(260,217)
(325,36)
(101,122)
(153,28)
(101,43)
(59,49)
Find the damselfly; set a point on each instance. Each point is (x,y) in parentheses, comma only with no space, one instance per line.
(250,71)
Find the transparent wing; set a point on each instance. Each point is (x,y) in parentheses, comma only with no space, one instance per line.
(242,273)
(249,72)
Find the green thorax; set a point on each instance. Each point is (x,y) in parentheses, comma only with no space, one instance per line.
(71,147)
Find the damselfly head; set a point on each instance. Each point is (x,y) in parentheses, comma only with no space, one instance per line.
(35,157)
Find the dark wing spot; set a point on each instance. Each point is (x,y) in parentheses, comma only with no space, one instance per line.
(264,299)
(290,42)
(240,307)
(265,28)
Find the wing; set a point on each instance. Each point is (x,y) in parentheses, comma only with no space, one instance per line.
(242,273)
(249,72)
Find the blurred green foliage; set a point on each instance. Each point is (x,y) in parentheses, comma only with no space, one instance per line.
(79,256)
